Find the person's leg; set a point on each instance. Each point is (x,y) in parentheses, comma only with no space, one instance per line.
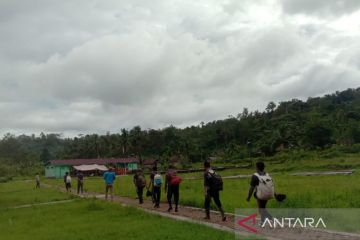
(169,197)
(141,195)
(82,188)
(112,192)
(153,195)
(207,205)
(78,187)
(159,197)
(217,201)
(139,191)
(106,191)
(262,210)
(176,196)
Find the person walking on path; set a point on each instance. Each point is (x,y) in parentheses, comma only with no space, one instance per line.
(140,183)
(150,187)
(157,189)
(67,181)
(263,188)
(109,177)
(37,180)
(171,187)
(212,186)
(80,182)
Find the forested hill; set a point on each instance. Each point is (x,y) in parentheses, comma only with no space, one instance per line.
(316,123)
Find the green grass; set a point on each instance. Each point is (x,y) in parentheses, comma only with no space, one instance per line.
(337,191)
(15,193)
(93,219)
(88,219)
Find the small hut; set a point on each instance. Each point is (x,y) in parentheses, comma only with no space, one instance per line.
(57,168)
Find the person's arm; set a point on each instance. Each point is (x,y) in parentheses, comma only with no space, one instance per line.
(254,182)
(166,183)
(134,179)
(150,182)
(206,184)
(251,190)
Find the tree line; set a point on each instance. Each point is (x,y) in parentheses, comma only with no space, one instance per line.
(317,123)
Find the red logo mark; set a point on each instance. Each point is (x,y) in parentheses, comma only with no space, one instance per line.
(251,217)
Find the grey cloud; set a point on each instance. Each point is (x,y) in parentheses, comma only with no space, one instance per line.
(333,8)
(94,66)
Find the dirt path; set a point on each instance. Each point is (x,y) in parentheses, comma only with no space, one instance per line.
(345,172)
(40,204)
(247,176)
(196,215)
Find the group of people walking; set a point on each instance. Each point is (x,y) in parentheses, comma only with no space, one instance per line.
(171,187)
(261,187)
(80,182)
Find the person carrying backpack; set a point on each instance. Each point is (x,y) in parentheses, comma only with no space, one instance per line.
(213,184)
(157,188)
(172,183)
(140,183)
(263,187)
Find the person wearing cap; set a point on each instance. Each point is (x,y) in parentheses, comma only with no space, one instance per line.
(109,177)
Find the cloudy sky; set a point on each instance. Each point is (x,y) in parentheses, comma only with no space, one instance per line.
(83,66)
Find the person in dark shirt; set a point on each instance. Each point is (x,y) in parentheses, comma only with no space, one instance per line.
(80,182)
(171,189)
(140,183)
(260,169)
(211,192)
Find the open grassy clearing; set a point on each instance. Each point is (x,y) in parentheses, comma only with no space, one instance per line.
(94,219)
(338,191)
(15,193)
(87,219)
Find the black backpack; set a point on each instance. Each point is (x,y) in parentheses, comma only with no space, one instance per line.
(140,181)
(216,182)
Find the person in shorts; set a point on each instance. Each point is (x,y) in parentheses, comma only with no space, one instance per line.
(109,178)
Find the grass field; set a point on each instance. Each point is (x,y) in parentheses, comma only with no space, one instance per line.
(86,219)
(337,191)
(17,193)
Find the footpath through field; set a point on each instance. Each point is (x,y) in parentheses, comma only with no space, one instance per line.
(196,215)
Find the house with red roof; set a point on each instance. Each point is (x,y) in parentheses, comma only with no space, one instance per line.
(58,168)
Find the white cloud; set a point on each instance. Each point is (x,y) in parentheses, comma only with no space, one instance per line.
(93,66)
